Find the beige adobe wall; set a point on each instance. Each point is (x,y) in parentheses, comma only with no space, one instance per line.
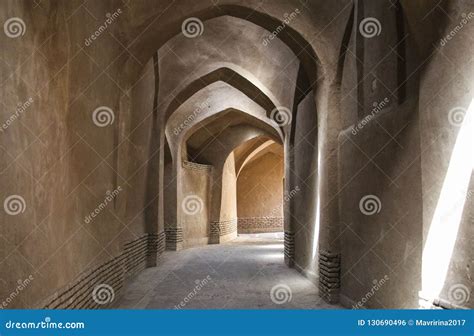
(142,186)
(415,149)
(62,164)
(260,194)
(229,190)
(304,192)
(379,178)
(446,113)
(194,206)
(276,75)
(34,242)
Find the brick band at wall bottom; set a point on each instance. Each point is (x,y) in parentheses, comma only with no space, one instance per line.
(136,255)
(329,275)
(174,237)
(260,224)
(289,247)
(223,228)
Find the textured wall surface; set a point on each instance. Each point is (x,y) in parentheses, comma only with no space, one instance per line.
(96,158)
(195,204)
(260,224)
(305,189)
(260,188)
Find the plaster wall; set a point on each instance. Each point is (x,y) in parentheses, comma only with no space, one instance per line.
(414,171)
(196,184)
(260,190)
(142,187)
(229,190)
(447,86)
(274,66)
(381,213)
(36,161)
(304,188)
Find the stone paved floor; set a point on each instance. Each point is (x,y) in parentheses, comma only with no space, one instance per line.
(236,275)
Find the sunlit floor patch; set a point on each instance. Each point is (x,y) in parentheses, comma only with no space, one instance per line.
(248,272)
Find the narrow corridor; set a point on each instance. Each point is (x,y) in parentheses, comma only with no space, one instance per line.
(237,274)
(144,144)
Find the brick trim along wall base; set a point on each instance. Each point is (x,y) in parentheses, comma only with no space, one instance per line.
(223,228)
(289,248)
(174,238)
(260,224)
(136,256)
(329,275)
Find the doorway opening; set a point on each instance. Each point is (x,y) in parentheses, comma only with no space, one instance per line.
(260,187)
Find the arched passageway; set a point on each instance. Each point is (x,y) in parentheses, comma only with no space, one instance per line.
(283,138)
(226,121)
